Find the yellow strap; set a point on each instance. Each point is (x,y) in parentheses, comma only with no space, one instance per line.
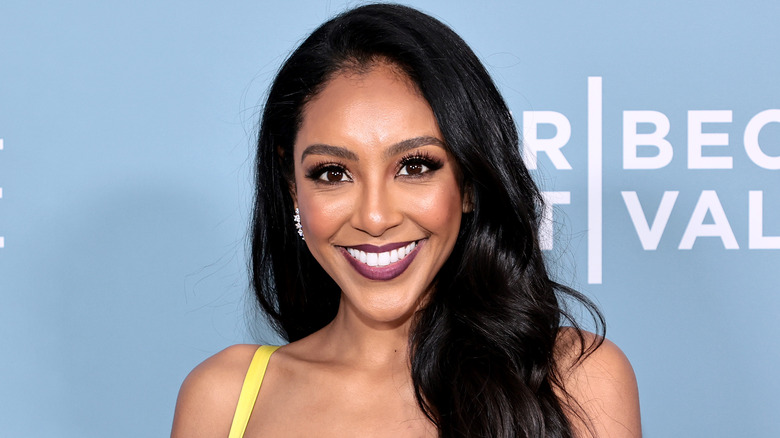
(252,382)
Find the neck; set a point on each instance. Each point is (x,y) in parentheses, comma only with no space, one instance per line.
(368,343)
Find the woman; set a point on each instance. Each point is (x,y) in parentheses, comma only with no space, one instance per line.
(395,246)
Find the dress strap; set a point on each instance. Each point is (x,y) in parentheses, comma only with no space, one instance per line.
(252,382)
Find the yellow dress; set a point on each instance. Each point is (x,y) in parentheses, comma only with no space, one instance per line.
(250,389)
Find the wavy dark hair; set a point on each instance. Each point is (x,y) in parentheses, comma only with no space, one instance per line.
(483,357)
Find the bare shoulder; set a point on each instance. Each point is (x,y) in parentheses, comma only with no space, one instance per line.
(208,396)
(602,384)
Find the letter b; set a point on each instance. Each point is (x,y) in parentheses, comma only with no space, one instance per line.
(632,139)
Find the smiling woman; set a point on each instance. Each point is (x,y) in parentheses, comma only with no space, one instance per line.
(416,299)
(390,184)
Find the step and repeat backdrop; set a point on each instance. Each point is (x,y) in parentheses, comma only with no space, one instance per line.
(126,147)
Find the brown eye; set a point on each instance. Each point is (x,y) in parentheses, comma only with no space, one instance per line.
(330,174)
(334,175)
(413,168)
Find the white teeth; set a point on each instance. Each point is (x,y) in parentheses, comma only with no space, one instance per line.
(381,258)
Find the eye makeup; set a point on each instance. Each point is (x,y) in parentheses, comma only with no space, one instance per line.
(418,163)
(328,172)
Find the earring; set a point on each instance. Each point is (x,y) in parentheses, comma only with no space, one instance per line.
(297,220)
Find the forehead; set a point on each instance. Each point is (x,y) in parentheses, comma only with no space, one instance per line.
(376,106)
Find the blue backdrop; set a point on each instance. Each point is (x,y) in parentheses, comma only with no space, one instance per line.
(125,167)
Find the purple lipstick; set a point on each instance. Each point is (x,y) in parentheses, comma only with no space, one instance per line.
(384,262)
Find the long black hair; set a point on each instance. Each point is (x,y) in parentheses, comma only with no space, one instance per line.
(482,350)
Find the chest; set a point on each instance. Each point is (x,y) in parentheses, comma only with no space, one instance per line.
(338,408)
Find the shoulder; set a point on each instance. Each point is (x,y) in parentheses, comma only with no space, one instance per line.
(601,385)
(208,396)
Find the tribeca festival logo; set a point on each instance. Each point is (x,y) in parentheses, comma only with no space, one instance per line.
(657,152)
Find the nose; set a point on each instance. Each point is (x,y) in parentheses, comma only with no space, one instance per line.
(377,209)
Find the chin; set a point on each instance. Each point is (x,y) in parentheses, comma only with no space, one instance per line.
(393,312)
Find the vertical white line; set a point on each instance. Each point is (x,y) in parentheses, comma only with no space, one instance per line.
(2,239)
(594,180)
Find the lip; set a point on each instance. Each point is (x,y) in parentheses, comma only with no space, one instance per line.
(383,273)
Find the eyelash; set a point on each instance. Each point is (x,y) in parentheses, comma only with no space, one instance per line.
(422,158)
(315,173)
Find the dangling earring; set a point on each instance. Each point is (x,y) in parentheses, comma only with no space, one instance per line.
(298,226)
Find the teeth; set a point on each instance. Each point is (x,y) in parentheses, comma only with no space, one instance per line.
(381,258)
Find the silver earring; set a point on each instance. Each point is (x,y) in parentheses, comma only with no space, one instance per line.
(298,226)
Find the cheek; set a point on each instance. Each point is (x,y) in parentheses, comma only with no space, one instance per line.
(322,215)
(440,209)
(320,212)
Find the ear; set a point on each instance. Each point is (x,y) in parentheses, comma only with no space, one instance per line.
(467,205)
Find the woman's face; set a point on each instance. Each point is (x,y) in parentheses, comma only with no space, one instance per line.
(378,192)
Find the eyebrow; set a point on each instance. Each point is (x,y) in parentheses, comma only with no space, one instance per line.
(326,149)
(405,145)
(342,152)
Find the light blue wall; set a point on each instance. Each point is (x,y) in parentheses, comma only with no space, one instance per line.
(127,134)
